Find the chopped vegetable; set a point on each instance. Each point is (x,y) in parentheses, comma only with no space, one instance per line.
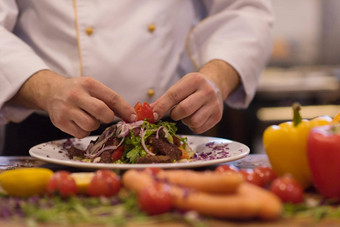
(144,112)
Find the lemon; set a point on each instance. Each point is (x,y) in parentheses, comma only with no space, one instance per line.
(82,180)
(25,182)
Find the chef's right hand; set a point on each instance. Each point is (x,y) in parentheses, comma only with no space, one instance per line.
(75,105)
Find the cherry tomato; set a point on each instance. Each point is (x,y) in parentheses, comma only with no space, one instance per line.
(287,189)
(226,168)
(144,112)
(252,177)
(155,199)
(117,154)
(62,183)
(266,173)
(104,183)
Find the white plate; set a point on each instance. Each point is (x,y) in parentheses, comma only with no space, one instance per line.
(212,147)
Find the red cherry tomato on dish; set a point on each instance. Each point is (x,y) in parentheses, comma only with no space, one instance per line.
(104,183)
(62,183)
(252,177)
(117,154)
(155,199)
(226,168)
(144,112)
(287,189)
(266,173)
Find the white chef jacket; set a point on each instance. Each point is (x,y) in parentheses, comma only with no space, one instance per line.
(138,48)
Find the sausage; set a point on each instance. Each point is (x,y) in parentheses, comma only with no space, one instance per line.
(206,181)
(248,201)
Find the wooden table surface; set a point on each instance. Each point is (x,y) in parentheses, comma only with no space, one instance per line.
(250,161)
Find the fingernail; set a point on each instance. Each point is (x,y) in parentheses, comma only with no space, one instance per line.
(133,117)
(155,115)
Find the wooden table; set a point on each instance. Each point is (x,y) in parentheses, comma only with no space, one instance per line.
(250,161)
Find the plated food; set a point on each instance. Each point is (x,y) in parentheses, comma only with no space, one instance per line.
(140,144)
(137,142)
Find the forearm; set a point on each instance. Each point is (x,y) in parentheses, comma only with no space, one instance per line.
(34,92)
(223,75)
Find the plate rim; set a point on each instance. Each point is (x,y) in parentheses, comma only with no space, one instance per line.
(195,164)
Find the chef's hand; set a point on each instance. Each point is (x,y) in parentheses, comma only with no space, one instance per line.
(76,105)
(197,99)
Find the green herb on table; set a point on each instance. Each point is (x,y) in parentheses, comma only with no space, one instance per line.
(114,211)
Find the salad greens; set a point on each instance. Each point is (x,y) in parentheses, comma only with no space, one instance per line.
(135,145)
(315,208)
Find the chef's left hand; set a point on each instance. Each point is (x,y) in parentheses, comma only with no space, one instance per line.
(197,99)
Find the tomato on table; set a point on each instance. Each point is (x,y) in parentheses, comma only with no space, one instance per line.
(62,183)
(104,183)
(144,112)
(287,189)
(266,173)
(155,199)
(252,177)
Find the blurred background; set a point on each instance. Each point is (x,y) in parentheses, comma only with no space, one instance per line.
(304,67)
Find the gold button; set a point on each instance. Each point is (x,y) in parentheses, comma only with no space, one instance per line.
(89,31)
(151,92)
(152,28)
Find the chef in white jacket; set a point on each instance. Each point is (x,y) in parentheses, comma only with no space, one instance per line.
(84,63)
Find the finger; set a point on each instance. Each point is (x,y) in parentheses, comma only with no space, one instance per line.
(187,107)
(96,108)
(68,126)
(211,122)
(204,118)
(173,96)
(111,99)
(84,121)
(204,126)
(76,131)
(197,119)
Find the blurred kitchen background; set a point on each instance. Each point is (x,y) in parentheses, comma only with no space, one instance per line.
(304,67)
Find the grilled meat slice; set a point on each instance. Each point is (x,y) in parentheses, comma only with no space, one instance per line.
(163,147)
(105,157)
(75,152)
(154,159)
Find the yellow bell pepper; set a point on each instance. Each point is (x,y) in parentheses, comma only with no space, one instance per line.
(286,146)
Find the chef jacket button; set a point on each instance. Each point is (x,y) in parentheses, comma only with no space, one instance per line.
(89,31)
(151,92)
(152,28)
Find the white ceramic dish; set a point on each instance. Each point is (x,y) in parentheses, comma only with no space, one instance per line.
(215,150)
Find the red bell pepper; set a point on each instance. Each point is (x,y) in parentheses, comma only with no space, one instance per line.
(323,151)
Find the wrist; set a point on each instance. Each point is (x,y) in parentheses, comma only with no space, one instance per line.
(223,75)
